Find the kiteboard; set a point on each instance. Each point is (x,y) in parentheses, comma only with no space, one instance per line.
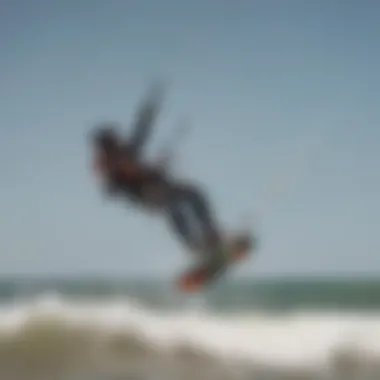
(198,277)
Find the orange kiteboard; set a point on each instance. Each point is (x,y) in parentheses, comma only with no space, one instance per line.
(197,278)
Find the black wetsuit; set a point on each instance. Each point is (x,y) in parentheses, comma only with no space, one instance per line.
(185,205)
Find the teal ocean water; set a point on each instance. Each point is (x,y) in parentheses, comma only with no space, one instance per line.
(243,294)
(143,329)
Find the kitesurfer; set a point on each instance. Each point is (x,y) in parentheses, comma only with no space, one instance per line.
(121,165)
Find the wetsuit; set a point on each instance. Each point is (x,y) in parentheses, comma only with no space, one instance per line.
(184,205)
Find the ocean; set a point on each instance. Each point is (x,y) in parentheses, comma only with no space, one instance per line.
(283,329)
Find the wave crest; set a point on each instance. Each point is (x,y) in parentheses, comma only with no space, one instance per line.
(53,338)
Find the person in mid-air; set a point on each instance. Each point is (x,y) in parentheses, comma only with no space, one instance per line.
(121,165)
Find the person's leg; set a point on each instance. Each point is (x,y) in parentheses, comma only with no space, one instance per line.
(200,211)
(182,224)
(188,213)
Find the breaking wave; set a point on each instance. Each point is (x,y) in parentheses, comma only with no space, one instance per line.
(53,338)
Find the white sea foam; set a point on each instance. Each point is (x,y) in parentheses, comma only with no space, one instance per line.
(52,336)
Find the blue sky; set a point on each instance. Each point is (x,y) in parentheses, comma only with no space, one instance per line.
(271,88)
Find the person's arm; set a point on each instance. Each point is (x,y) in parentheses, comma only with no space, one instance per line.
(146,117)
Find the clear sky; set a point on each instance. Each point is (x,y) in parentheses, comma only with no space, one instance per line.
(268,85)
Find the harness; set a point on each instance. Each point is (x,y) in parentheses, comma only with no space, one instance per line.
(133,178)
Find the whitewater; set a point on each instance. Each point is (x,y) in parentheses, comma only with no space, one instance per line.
(51,337)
